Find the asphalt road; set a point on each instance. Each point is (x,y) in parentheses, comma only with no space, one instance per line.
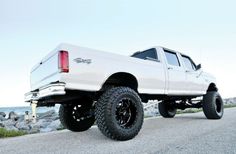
(187,133)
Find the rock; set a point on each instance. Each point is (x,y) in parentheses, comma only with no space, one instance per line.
(45,125)
(42,123)
(55,125)
(55,117)
(34,129)
(2,118)
(45,130)
(9,122)
(151,109)
(46,122)
(13,116)
(21,118)
(230,101)
(28,117)
(11,127)
(47,114)
(1,124)
(3,114)
(22,126)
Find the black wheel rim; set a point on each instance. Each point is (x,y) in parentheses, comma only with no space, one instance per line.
(218,105)
(125,113)
(80,113)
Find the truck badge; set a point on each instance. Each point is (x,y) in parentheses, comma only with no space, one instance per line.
(80,60)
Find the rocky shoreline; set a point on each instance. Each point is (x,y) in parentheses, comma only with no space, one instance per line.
(49,121)
(46,122)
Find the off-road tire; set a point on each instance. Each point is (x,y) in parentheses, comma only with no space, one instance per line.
(106,113)
(212,105)
(166,110)
(71,123)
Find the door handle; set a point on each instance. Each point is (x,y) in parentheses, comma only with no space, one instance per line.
(170,68)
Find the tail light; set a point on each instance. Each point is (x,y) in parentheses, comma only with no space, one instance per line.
(64,61)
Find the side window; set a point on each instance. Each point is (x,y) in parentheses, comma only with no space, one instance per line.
(172,58)
(151,53)
(188,63)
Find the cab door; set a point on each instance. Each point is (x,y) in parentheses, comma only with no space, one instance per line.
(176,83)
(193,79)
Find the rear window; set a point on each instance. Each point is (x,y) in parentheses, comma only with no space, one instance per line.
(150,53)
(172,58)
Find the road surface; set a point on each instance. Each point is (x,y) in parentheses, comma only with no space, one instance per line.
(186,133)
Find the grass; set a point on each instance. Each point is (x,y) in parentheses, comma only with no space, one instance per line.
(10,133)
(229,105)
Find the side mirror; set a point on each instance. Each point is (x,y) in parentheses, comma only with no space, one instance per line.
(199,66)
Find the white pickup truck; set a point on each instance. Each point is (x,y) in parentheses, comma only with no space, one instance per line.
(110,88)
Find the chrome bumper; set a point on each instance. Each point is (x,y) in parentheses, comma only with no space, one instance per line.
(49,90)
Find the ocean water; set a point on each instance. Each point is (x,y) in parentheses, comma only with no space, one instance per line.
(21,110)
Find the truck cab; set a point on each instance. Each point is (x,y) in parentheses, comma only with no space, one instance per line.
(183,76)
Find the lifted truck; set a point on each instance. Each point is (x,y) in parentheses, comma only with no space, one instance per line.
(110,88)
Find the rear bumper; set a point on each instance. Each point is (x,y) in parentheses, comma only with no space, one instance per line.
(45,91)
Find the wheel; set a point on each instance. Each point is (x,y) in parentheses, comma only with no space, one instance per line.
(119,113)
(76,117)
(167,110)
(212,105)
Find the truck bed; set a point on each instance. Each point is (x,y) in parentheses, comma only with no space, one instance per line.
(91,76)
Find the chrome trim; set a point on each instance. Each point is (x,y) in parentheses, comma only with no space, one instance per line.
(48,90)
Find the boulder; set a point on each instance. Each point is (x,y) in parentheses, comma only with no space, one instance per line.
(55,117)
(9,122)
(11,127)
(13,116)
(3,114)
(2,118)
(47,114)
(151,109)
(1,125)
(22,126)
(46,122)
(55,125)
(21,118)
(45,130)
(41,123)
(34,129)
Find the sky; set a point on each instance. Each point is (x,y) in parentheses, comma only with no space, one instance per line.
(203,29)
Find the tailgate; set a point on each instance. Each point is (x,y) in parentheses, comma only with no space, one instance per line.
(47,71)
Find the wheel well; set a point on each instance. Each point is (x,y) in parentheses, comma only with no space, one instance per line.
(121,79)
(212,87)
